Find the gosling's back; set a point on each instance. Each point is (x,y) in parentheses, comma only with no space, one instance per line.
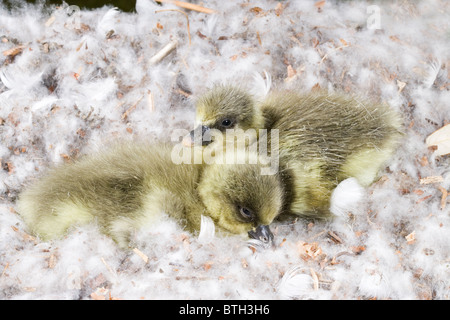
(114,188)
(325,139)
(346,134)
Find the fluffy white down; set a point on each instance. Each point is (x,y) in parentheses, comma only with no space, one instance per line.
(73,87)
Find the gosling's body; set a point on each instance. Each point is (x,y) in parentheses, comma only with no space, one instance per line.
(129,186)
(323,138)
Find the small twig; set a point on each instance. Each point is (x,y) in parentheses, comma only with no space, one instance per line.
(14,51)
(317,235)
(142,255)
(125,114)
(336,49)
(187,20)
(189,6)
(444,196)
(150,101)
(431,179)
(4,270)
(315,279)
(163,52)
(108,267)
(334,237)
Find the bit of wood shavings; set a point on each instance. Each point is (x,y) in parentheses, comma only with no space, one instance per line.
(164,52)
(50,21)
(127,112)
(315,279)
(411,238)
(423,199)
(332,51)
(401,85)
(334,237)
(309,250)
(142,255)
(431,179)
(207,265)
(4,270)
(52,261)
(150,101)
(259,38)
(319,4)
(290,72)
(358,249)
(103,294)
(279,8)
(13,51)
(108,267)
(189,6)
(444,197)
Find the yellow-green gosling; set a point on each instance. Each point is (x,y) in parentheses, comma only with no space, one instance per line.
(128,186)
(323,138)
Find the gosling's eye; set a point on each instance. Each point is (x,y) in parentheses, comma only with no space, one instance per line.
(226,123)
(246,213)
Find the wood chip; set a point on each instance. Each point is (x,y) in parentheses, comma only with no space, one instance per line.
(52,261)
(333,236)
(13,51)
(257,10)
(9,167)
(50,21)
(308,250)
(189,6)
(4,270)
(259,38)
(207,265)
(142,255)
(319,4)
(96,296)
(444,197)
(128,111)
(164,52)
(290,72)
(315,279)
(279,9)
(431,179)
(401,85)
(423,199)
(358,249)
(65,156)
(108,267)
(411,238)
(441,140)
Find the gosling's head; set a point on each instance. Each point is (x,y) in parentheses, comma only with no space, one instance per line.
(224,107)
(240,199)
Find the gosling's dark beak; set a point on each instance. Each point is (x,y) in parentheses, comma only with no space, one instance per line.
(199,136)
(262,233)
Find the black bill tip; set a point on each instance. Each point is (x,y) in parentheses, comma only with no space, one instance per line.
(262,233)
(199,136)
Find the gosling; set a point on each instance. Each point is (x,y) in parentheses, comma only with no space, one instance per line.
(129,186)
(323,138)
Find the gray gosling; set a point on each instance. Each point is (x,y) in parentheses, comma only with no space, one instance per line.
(129,186)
